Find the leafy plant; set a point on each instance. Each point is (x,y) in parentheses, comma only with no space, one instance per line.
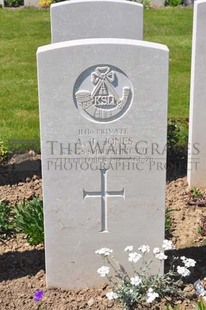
(13,3)
(142,286)
(4,150)
(201,304)
(6,221)
(173,133)
(29,220)
(197,198)
(196,192)
(173,2)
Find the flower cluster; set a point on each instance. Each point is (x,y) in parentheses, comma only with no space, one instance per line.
(142,286)
(135,280)
(188,262)
(38,295)
(104,251)
(45,3)
(151,295)
(103,271)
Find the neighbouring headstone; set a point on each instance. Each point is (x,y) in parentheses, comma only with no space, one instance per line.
(158,3)
(2,3)
(81,19)
(197,119)
(31,3)
(103,116)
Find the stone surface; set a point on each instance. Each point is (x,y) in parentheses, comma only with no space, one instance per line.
(103,136)
(158,3)
(2,2)
(197,123)
(31,3)
(80,19)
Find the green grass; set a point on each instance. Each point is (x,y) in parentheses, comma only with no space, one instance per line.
(173,27)
(22,31)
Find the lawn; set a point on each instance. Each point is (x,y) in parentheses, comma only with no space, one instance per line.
(173,27)
(22,31)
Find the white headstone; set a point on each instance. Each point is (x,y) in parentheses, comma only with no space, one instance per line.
(158,3)
(197,119)
(103,112)
(31,3)
(2,3)
(81,19)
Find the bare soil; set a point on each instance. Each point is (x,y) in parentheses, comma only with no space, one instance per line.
(22,267)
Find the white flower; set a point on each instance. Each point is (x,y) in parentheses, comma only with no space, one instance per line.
(168,245)
(144,248)
(156,250)
(134,257)
(161,256)
(112,295)
(188,262)
(135,280)
(183,271)
(104,251)
(151,295)
(103,271)
(129,248)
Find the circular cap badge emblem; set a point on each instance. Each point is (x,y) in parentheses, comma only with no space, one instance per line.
(103,93)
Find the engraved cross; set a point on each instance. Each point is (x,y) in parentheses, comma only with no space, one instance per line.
(104,194)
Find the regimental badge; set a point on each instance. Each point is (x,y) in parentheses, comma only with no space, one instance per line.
(103,93)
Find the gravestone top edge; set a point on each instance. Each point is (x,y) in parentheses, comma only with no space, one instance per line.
(72,2)
(197,2)
(102,41)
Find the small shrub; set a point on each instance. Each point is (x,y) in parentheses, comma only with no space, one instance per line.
(197,198)
(196,192)
(142,287)
(44,4)
(13,3)
(173,134)
(4,150)
(29,220)
(173,2)
(168,222)
(6,221)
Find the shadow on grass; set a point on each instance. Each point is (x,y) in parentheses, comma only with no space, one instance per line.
(196,253)
(14,265)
